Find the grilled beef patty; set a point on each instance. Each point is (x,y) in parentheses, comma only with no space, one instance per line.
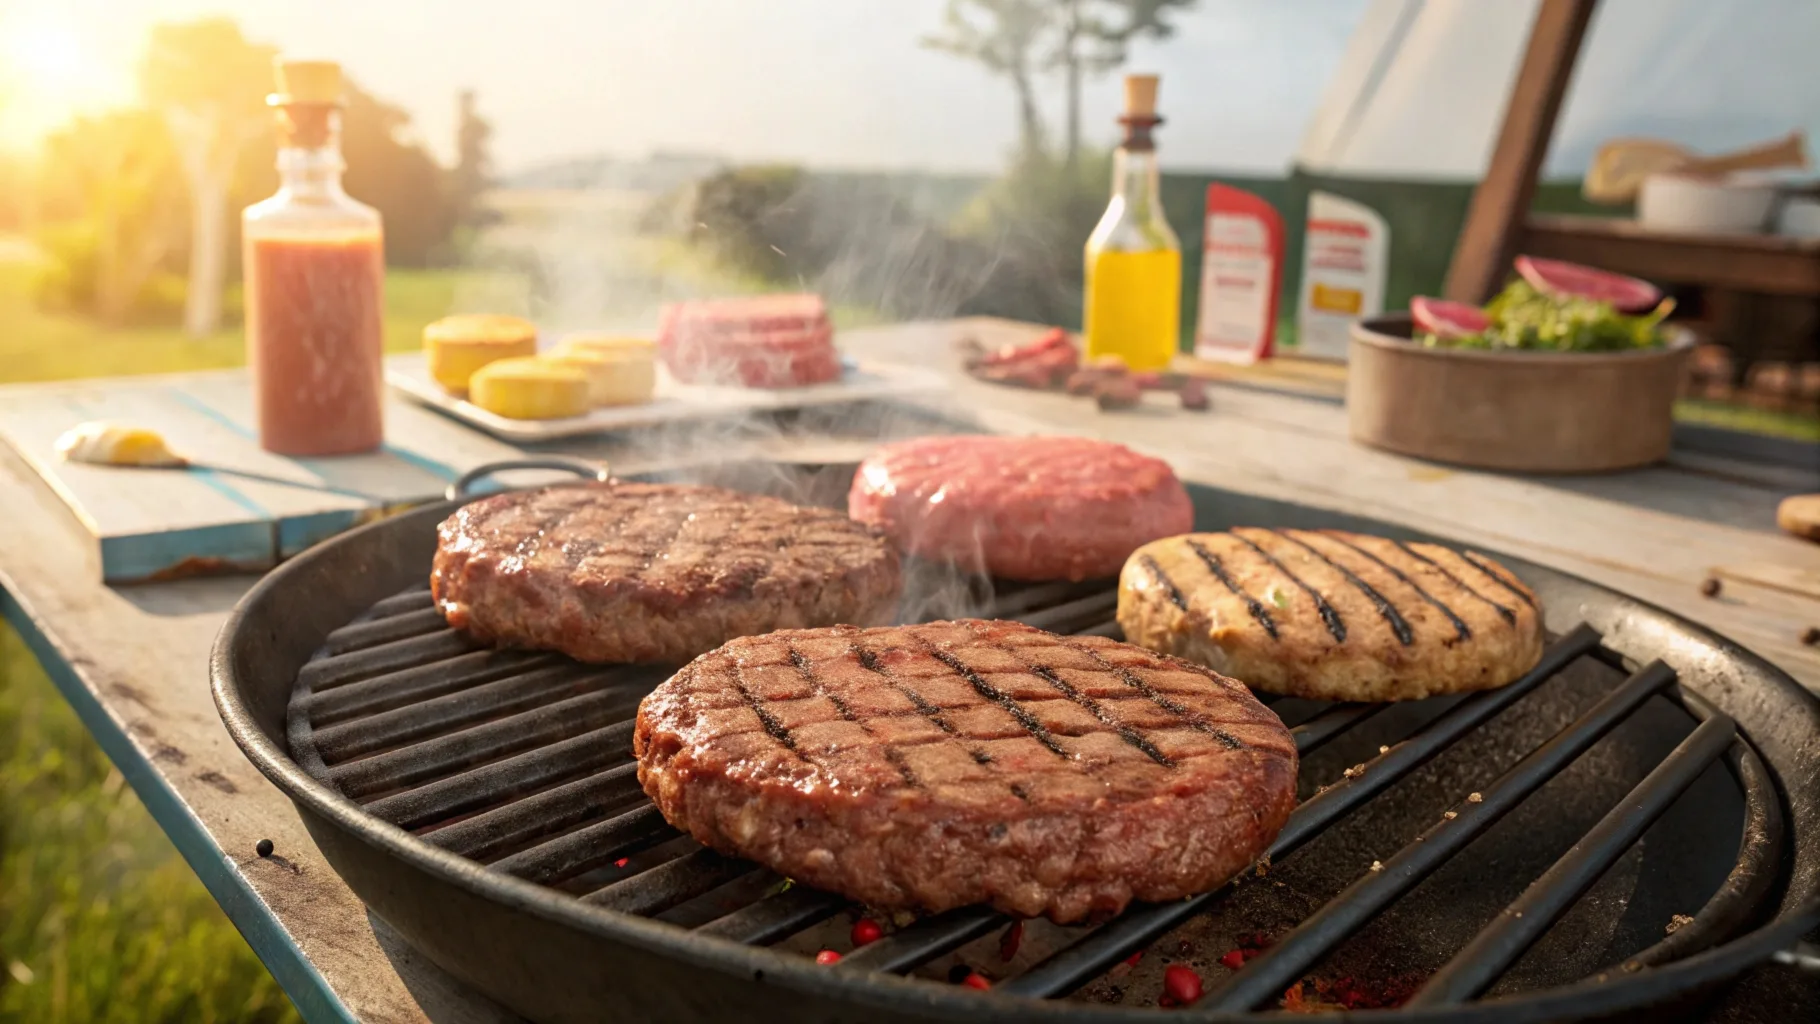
(1331,615)
(629,572)
(1020,508)
(941,765)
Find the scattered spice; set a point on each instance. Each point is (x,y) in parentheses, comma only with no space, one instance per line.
(621,862)
(865,932)
(1181,984)
(1009,942)
(1678,922)
(1263,865)
(1354,772)
(1344,993)
(1184,948)
(1811,637)
(1709,586)
(1118,393)
(1451,815)
(1475,798)
(827,956)
(263,848)
(975,979)
(1194,395)
(1233,960)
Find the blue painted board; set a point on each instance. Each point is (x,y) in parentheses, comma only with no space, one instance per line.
(240,507)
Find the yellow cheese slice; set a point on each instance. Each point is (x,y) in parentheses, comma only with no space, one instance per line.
(457,346)
(528,388)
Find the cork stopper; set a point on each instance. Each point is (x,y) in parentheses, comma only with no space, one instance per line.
(1140,96)
(1140,113)
(306,81)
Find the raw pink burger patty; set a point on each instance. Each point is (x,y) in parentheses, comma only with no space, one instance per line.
(1020,508)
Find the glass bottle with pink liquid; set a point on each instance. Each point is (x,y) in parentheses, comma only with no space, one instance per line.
(315,274)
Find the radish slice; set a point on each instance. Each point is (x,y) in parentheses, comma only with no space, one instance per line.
(1557,278)
(1446,319)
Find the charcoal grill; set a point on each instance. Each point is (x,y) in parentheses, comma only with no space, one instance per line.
(1631,826)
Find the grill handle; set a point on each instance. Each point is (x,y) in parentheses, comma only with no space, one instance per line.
(459,490)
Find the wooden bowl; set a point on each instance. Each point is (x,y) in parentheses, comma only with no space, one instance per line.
(1528,412)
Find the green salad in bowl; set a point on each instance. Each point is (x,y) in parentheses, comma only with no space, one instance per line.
(1550,307)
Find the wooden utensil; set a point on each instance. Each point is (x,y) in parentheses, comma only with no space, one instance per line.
(1619,167)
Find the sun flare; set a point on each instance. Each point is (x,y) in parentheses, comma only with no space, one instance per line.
(44,56)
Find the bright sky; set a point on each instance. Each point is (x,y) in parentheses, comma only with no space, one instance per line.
(828,82)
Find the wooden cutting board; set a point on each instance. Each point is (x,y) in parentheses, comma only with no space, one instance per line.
(241,508)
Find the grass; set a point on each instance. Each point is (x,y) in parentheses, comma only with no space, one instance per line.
(100,919)
(1796,426)
(36,345)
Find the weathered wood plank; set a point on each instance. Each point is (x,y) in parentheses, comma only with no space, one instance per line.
(239,507)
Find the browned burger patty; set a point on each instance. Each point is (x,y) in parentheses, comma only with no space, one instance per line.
(1332,615)
(628,572)
(954,763)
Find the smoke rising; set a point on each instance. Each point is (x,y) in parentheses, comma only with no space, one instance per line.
(607,258)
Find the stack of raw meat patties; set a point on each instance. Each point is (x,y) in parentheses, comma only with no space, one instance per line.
(761,341)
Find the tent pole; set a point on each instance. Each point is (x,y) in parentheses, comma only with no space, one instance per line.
(1500,205)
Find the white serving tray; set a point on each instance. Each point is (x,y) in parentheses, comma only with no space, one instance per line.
(673,403)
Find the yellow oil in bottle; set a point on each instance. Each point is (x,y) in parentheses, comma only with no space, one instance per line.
(1133,267)
(1134,302)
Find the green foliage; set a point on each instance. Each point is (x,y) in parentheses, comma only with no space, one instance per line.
(112,202)
(1035,221)
(114,207)
(751,219)
(1524,318)
(40,344)
(100,920)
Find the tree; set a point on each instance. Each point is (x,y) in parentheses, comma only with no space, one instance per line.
(1002,35)
(473,163)
(1094,36)
(210,84)
(112,196)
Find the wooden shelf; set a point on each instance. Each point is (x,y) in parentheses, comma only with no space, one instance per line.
(1769,264)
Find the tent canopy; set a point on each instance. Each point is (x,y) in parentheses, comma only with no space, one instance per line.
(1421,89)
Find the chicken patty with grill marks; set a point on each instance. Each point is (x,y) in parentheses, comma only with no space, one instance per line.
(1329,615)
(953,763)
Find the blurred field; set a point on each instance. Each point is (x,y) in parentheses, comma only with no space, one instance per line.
(100,919)
(36,345)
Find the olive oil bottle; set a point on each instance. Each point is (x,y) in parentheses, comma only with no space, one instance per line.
(1134,263)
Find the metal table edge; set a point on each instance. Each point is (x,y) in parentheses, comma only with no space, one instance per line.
(308,990)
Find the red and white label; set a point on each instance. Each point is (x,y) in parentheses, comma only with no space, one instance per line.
(1241,270)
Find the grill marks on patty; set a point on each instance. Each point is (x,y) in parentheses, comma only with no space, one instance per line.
(952,763)
(1212,562)
(1331,615)
(631,572)
(973,658)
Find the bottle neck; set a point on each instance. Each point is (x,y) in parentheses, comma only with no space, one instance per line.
(1135,179)
(309,154)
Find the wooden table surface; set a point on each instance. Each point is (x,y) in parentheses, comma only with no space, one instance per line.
(133,660)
